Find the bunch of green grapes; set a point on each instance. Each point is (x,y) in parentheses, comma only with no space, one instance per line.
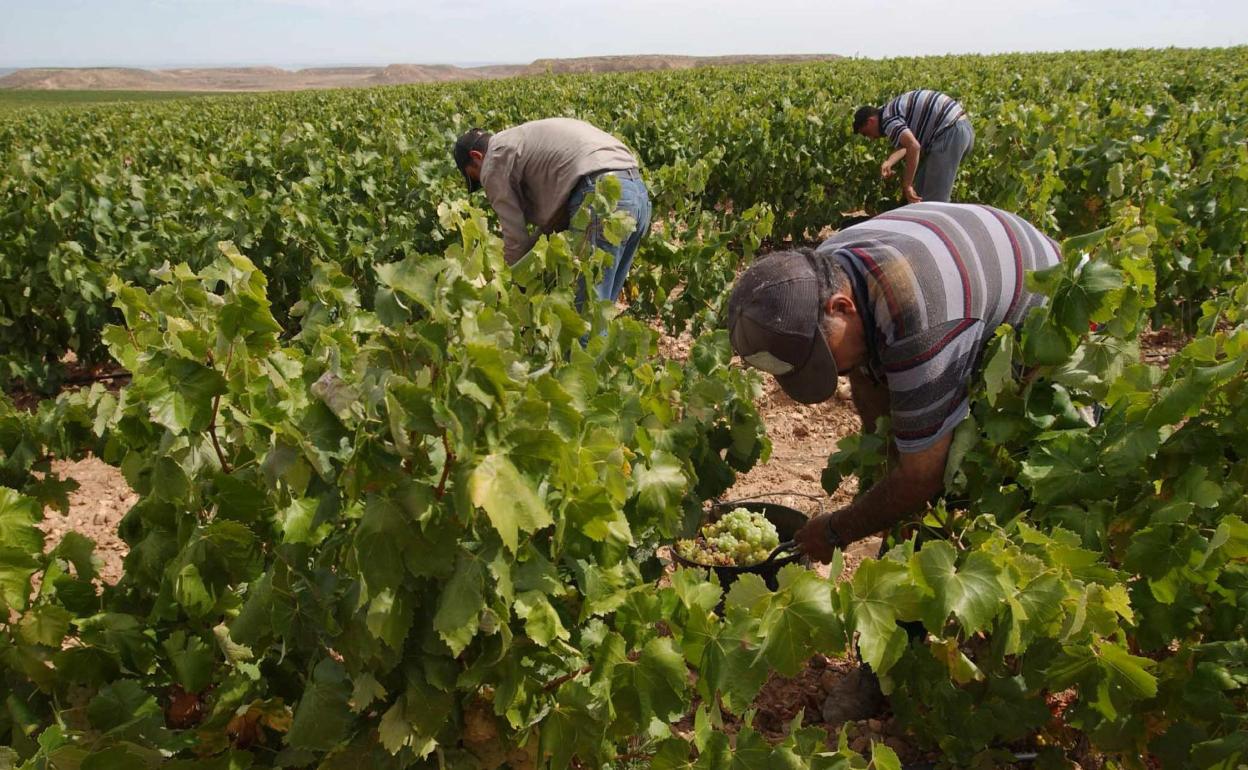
(740,538)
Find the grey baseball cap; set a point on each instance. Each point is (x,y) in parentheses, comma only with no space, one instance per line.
(773,322)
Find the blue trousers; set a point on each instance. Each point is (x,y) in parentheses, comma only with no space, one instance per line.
(634,199)
(939,165)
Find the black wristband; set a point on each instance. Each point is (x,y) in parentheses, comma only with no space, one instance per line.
(834,538)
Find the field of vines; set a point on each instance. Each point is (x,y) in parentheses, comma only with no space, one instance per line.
(391,514)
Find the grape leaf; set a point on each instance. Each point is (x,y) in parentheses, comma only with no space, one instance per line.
(507,498)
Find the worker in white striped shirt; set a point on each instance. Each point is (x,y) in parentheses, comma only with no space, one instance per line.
(923,124)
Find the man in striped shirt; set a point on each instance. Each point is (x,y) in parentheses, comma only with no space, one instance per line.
(902,305)
(921,123)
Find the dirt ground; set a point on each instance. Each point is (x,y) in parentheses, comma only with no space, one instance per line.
(95,509)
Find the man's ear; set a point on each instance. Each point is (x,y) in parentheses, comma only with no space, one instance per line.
(841,304)
(476,155)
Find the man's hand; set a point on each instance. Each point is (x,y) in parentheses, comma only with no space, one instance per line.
(886,168)
(911,195)
(814,539)
(904,491)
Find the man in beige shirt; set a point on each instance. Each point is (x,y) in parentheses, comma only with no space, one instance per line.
(538,173)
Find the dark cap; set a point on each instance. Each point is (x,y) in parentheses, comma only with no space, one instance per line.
(773,322)
(472,139)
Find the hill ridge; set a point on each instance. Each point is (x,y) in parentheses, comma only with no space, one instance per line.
(267,78)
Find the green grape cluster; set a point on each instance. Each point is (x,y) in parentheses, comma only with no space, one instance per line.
(739,539)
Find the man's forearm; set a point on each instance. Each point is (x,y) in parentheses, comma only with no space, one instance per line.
(912,166)
(898,495)
(514,248)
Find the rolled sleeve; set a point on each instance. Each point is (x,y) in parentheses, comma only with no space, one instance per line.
(894,129)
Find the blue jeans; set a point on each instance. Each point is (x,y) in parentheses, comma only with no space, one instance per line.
(634,199)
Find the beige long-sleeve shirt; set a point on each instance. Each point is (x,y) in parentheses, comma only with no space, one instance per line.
(529,172)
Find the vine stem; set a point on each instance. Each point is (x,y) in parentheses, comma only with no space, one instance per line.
(212,433)
(212,422)
(553,684)
(446,467)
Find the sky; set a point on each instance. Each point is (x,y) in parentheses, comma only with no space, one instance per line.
(293,33)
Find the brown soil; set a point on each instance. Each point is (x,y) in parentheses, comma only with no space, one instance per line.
(95,509)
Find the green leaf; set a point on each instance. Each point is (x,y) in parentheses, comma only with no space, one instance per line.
(193,660)
(1232,538)
(395,732)
(460,605)
(881,593)
(323,715)
(181,398)
(884,758)
(1075,246)
(508,499)
(390,617)
(541,621)
(1130,672)
(169,481)
(121,703)
(79,551)
(799,622)
(382,539)
(19,516)
(965,437)
(239,498)
(730,663)
(972,592)
(571,727)
(16,567)
(190,591)
(125,757)
(660,485)
(653,686)
(998,370)
(46,625)
(749,593)
(365,690)
(1044,342)
(961,668)
(299,520)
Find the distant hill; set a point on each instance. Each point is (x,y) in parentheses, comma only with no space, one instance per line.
(276,79)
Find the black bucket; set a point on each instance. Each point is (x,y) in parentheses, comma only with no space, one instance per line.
(787,522)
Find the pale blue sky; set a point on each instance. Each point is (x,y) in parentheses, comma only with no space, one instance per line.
(309,32)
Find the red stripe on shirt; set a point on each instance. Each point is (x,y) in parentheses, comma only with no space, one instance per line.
(932,352)
(1018,259)
(894,308)
(953,252)
(931,430)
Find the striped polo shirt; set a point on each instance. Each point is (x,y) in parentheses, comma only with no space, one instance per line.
(926,113)
(933,281)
